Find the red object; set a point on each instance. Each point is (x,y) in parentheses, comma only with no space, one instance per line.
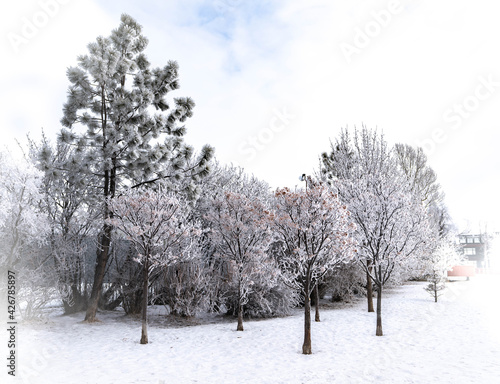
(463,270)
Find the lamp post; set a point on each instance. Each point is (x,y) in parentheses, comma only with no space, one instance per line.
(303,177)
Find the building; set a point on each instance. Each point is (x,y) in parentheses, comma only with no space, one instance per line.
(474,248)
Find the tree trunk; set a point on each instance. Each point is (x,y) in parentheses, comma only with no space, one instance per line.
(240,318)
(240,307)
(379,311)
(306,347)
(144,333)
(103,251)
(435,292)
(316,300)
(100,270)
(369,287)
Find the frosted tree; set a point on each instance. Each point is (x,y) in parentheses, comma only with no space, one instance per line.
(347,162)
(346,282)
(240,231)
(185,287)
(263,300)
(421,177)
(21,222)
(159,227)
(69,203)
(23,231)
(392,223)
(315,229)
(440,261)
(423,182)
(109,119)
(228,178)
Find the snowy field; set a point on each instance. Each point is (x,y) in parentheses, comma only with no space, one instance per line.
(456,340)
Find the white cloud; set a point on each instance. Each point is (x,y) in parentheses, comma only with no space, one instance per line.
(242,60)
(33,77)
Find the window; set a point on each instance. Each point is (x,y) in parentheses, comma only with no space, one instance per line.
(462,239)
(470,251)
(469,240)
(477,239)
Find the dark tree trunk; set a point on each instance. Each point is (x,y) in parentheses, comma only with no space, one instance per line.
(144,333)
(240,307)
(435,292)
(369,287)
(103,247)
(316,300)
(100,271)
(306,347)
(379,311)
(240,318)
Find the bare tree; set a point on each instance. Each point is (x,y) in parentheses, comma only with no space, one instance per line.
(315,229)
(240,230)
(346,162)
(159,227)
(444,257)
(23,231)
(263,300)
(70,205)
(421,177)
(392,224)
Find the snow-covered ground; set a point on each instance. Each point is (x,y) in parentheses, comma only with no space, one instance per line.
(456,340)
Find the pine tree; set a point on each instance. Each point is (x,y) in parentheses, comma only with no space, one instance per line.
(108,118)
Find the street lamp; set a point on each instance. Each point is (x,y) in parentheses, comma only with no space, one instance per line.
(303,177)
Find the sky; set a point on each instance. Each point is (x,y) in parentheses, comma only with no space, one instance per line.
(274,81)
